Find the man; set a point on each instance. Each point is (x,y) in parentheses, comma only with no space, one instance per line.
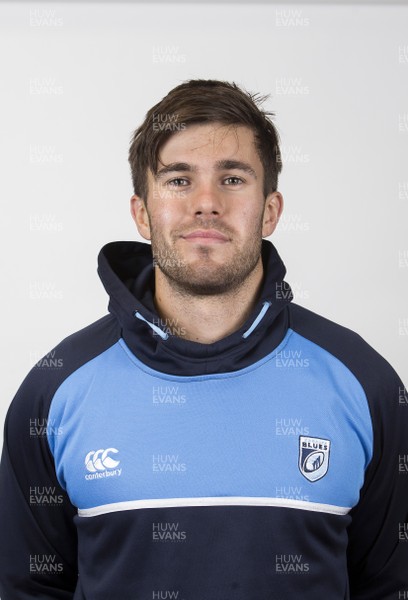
(209,439)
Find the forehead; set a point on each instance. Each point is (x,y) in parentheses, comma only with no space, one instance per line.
(210,141)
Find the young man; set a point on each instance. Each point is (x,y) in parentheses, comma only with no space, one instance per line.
(208,439)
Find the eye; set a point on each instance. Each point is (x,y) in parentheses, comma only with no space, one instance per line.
(178,179)
(237,179)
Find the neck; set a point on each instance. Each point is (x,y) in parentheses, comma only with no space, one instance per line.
(206,319)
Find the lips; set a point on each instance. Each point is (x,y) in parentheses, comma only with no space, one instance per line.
(206,234)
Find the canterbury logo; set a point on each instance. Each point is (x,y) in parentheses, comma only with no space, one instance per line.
(100,460)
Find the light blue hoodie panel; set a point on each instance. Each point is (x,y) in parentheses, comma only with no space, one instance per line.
(120,431)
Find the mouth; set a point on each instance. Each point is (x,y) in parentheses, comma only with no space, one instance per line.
(206,235)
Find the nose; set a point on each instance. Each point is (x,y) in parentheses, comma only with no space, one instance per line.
(206,200)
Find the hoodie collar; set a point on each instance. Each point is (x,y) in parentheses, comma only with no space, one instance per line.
(127,273)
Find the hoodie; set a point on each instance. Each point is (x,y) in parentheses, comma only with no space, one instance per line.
(139,465)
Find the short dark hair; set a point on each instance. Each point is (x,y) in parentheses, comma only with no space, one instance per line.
(204,101)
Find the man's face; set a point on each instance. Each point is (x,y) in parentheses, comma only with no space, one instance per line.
(205,212)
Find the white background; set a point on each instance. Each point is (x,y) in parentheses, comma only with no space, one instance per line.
(77,79)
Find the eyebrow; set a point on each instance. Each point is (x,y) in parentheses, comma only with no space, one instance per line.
(220,165)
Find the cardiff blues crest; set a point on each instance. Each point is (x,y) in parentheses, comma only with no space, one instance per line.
(314,456)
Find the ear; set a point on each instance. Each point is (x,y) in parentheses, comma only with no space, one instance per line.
(140,216)
(272,212)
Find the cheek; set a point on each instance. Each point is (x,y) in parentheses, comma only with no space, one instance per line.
(162,219)
(170,211)
(248,218)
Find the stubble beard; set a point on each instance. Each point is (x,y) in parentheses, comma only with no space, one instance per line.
(205,277)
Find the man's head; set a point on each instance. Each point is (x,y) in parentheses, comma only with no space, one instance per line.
(205,162)
(203,101)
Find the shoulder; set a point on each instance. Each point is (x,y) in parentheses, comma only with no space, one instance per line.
(372,370)
(36,391)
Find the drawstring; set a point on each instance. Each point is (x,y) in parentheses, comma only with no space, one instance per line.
(247,333)
(261,315)
(155,328)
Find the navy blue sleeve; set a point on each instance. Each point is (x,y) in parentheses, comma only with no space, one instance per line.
(38,539)
(377,552)
(378,534)
(38,542)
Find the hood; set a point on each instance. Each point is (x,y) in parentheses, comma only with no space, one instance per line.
(127,272)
